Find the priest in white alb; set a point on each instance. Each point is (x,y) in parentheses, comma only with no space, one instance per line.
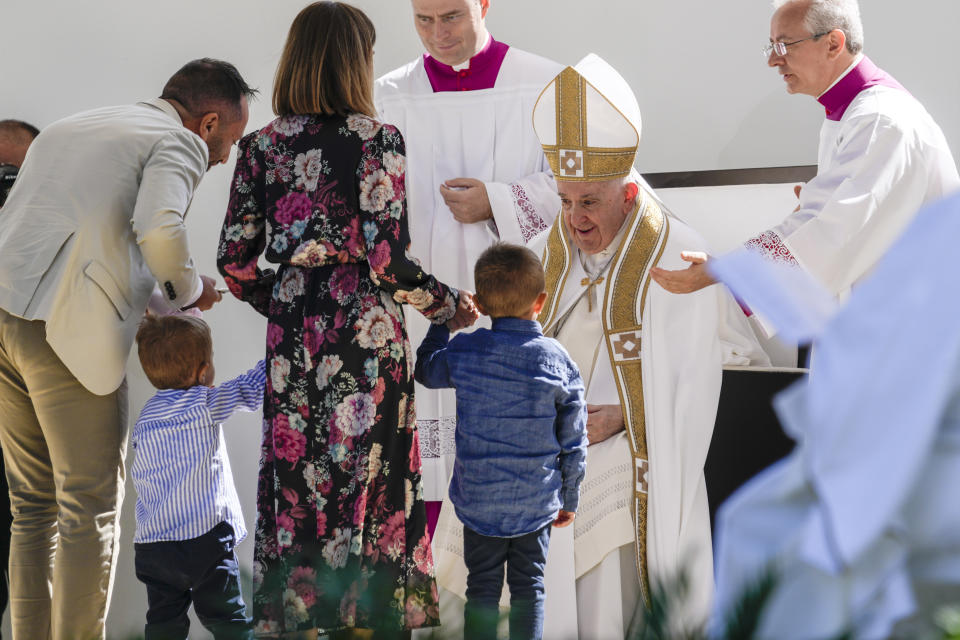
(650,360)
(475,172)
(881,156)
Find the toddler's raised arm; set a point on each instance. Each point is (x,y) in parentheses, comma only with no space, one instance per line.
(243,393)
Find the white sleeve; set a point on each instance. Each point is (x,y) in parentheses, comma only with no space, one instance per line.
(850,213)
(170,176)
(524,208)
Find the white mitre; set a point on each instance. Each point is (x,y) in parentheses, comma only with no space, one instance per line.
(588,122)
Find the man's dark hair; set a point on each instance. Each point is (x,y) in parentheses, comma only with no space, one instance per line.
(508,278)
(16,128)
(207,85)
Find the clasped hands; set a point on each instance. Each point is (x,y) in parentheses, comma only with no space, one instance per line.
(466,314)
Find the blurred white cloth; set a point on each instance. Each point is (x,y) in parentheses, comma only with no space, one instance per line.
(863,513)
(785,296)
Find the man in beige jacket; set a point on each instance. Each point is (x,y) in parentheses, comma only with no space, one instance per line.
(93,224)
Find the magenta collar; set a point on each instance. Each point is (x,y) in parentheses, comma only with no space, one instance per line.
(863,76)
(480,74)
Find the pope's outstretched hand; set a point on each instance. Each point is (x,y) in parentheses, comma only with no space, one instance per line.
(693,278)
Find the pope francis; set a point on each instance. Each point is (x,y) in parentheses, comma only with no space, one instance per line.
(650,360)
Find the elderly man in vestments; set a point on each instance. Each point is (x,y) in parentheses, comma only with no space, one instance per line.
(881,156)
(650,360)
(475,172)
(860,522)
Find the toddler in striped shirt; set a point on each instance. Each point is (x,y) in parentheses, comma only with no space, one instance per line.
(188,513)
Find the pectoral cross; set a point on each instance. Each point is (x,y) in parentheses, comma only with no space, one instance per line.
(591,291)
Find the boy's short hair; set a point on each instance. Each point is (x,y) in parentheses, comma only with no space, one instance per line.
(508,278)
(172,348)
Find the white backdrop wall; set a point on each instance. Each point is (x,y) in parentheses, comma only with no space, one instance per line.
(708,102)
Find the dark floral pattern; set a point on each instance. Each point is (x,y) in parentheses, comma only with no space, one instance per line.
(341,531)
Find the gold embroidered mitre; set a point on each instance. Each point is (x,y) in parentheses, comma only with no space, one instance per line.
(588,122)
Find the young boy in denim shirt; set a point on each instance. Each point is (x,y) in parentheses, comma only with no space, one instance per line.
(188,513)
(521,439)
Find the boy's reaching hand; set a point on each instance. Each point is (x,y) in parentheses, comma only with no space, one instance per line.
(564,518)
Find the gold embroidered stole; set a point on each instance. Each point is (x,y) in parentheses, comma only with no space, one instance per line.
(627,282)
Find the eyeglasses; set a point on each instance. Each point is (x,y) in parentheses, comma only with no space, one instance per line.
(780,48)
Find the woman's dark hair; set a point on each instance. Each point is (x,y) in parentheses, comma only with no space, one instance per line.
(327,63)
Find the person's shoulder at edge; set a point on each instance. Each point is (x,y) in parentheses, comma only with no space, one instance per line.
(146,124)
(173,402)
(268,131)
(886,107)
(555,345)
(558,353)
(533,62)
(281,127)
(131,109)
(193,147)
(525,71)
(167,403)
(467,341)
(367,128)
(401,79)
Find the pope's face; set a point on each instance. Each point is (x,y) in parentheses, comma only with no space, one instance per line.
(805,68)
(593,212)
(451,30)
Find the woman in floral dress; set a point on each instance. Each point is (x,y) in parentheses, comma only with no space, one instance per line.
(341,533)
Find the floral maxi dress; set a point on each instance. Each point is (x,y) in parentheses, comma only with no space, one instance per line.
(341,529)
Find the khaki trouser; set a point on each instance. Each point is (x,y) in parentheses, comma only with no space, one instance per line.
(63,448)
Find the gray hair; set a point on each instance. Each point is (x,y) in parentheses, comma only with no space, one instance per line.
(826,15)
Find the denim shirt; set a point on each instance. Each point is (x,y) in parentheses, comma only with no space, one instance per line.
(521,424)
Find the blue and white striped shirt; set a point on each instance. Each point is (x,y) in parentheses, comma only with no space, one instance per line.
(181,470)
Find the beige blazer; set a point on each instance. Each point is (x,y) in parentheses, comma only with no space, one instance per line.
(94,222)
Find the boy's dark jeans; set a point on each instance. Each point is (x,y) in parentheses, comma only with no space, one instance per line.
(203,570)
(526,558)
